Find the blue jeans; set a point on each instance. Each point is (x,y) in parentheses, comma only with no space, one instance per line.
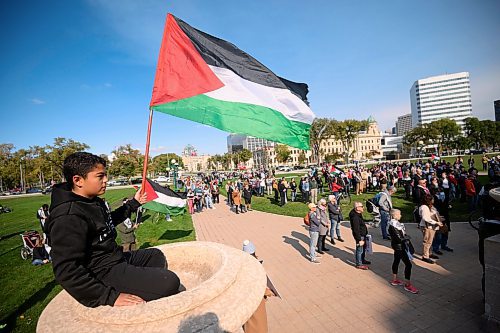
(384,220)
(37,262)
(360,253)
(440,241)
(335,225)
(208,202)
(313,241)
(294,195)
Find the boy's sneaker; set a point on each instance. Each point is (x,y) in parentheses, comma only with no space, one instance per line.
(363,267)
(396,282)
(315,261)
(410,288)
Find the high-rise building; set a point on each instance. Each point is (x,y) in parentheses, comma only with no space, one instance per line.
(238,142)
(403,125)
(443,96)
(497,110)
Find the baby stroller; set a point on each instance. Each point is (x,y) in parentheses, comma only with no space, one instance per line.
(375,211)
(30,239)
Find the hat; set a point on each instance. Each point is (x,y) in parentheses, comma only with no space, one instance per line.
(311,205)
(495,193)
(248,247)
(391,188)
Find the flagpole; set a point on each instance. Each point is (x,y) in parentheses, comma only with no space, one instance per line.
(146,154)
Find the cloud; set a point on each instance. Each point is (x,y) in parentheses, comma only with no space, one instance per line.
(37,101)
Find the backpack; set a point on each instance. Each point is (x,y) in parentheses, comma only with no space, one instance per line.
(376,199)
(369,205)
(416,215)
(307,220)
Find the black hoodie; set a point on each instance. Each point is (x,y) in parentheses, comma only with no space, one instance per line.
(358,226)
(82,234)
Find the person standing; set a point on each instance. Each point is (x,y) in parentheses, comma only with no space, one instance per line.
(429,224)
(400,245)
(237,200)
(323,227)
(313,232)
(385,206)
(293,189)
(335,214)
(190,201)
(43,214)
(314,189)
(359,232)
(282,191)
(306,189)
(247,196)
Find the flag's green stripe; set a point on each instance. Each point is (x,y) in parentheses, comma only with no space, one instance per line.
(158,207)
(242,118)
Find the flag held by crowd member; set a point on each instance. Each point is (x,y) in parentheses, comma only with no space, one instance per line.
(163,200)
(205,79)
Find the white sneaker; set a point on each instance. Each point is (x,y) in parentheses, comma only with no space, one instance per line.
(169,220)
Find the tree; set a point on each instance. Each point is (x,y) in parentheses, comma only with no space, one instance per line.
(162,162)
(245,155)
(128,161)
(346,132)
(302,157)
(56,154)
(418,137)
(321,130)
(282,153)
(443,132)
(473,131)
(333,157)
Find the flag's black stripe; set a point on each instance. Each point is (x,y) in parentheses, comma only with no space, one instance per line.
(158,188)
(220,53)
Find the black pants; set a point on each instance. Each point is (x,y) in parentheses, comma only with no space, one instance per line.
(144,274)
(398,256)
(282,198)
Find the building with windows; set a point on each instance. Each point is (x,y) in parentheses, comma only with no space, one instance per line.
(238,142)
(403,124)
(443,96)
(497,110)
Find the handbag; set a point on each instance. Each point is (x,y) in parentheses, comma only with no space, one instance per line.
(444,229)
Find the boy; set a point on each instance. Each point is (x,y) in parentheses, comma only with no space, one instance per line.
(86,260)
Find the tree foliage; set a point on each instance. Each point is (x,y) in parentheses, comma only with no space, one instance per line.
(347,131)
(282,153)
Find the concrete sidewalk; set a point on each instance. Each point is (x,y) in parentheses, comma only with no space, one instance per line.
(335,296)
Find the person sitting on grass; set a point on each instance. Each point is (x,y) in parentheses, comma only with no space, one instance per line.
(40,255)
(86,260)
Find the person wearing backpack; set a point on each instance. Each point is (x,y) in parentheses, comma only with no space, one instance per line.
(385,206)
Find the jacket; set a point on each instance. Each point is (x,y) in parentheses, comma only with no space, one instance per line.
(315,219)
(82,234)
(334,211)
(324,222)
(358,226)
(385,201)
(397,235)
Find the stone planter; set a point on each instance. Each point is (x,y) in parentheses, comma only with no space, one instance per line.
(224,286)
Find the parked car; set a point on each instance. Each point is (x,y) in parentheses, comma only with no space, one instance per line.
(162,179)
(298,167)
(283,168)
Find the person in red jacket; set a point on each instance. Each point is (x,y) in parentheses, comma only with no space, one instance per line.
(470,193)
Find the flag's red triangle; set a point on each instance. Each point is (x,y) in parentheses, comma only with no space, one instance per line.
(181,71)
(150,192)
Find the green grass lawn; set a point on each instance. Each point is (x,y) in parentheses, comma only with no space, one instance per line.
(27,289)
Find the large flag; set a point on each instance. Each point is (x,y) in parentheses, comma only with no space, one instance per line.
(208,80)
(163,200)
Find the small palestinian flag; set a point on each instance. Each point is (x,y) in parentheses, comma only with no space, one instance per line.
(164,200)
(336,171)
(208,80)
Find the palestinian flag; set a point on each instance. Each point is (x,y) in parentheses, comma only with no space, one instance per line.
(335,170)
(208,80)
(164,200)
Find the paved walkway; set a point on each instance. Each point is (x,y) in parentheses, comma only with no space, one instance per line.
(336,297)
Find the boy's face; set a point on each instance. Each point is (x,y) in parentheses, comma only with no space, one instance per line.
(93,184)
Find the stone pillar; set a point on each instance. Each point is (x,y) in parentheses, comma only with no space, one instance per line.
(224,287)
(492,278)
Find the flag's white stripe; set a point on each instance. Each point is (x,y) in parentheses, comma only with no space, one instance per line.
(237,89)
(170,201)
